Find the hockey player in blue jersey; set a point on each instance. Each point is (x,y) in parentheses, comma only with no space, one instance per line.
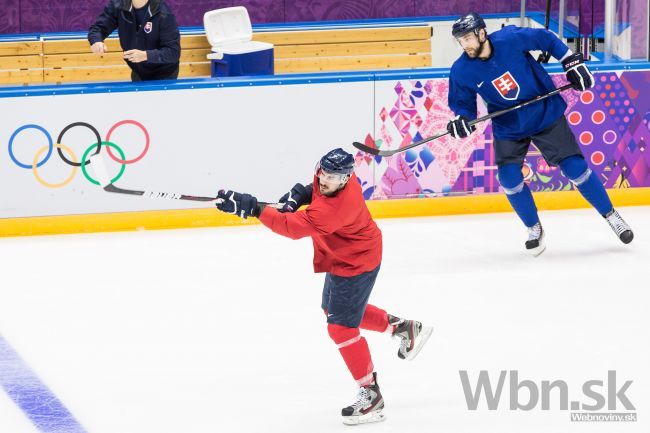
(500,68)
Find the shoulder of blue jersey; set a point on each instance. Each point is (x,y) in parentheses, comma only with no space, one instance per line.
(504,32)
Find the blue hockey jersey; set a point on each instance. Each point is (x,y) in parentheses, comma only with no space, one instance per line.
(509,76)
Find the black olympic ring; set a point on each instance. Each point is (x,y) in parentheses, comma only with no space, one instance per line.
(59,140)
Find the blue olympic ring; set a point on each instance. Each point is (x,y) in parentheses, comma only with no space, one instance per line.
(49,150)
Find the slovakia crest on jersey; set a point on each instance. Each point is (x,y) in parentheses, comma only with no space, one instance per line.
(148,27)
(507,86)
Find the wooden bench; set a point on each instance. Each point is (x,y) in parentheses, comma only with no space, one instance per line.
(70,61)
(64,61)
(350,49)
(21,62)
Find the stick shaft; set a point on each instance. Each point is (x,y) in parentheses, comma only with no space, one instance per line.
(172,195)
(374,151)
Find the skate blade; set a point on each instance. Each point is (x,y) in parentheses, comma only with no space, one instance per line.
(375,416)
(537,251)
(540,248)
(420,341)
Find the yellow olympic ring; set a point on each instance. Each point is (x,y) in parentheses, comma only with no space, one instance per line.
(54,185)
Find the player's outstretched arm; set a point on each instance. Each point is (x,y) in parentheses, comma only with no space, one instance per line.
(317,219)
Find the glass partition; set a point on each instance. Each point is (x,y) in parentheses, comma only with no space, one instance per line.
(630,40)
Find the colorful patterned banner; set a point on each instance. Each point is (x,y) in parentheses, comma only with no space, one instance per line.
(610,122)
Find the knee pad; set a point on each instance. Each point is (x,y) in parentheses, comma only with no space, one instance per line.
(575,169)
(342,335)
(511,179)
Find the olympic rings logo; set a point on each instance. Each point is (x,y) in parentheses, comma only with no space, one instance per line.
(71,158)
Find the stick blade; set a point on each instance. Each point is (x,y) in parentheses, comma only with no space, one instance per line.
(367,149)
(99,169)
(390,152)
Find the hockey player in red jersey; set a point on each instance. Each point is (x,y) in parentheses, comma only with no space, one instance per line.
(348,248)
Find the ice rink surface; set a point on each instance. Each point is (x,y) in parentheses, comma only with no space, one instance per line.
(220,330)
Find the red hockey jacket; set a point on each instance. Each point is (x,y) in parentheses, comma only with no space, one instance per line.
(347,242)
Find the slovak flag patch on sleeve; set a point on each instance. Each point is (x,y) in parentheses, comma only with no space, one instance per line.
(507,86)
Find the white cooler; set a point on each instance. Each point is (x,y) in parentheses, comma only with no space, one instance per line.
(234,53)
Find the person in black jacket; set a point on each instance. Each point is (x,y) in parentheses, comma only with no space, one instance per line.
(148,33)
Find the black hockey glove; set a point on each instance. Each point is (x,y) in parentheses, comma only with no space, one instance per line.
(577,72)
(459,127)
(242,205)
(298,196)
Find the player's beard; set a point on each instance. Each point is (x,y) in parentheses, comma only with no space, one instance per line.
(482,47)
(476,52)
(328,190)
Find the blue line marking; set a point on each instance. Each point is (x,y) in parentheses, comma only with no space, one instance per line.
(31,395)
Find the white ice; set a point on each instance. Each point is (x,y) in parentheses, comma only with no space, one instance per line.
(220,330)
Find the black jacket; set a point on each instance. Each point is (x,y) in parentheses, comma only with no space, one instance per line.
(161,40)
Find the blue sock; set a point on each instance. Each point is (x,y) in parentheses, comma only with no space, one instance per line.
(518,193)
(587,182)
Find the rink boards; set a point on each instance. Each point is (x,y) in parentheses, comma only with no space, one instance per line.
(262,135)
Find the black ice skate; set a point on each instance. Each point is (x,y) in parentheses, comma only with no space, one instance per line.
(535,243)
(367,408)
(412,336)
(620,227)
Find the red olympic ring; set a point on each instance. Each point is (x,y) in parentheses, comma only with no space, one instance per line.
(146,146)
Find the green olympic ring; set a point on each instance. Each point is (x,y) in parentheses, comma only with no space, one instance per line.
(85,155)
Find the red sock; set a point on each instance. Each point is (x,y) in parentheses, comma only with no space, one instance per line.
(355,352)
(374,319)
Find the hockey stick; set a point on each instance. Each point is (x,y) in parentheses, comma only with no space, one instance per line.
(377,152)
(545,56)
(104,181)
